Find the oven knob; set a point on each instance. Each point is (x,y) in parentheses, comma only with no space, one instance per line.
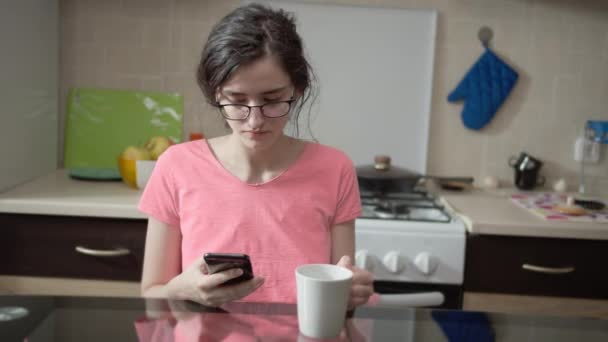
(364,260)
(426,263)
(394,262)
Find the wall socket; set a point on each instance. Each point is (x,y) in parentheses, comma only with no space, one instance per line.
(589,149)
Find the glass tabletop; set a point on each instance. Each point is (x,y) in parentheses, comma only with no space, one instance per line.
(40,318)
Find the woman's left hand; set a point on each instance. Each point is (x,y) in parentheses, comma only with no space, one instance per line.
(362,285)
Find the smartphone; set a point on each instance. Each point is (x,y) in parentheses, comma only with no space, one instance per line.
(217,262)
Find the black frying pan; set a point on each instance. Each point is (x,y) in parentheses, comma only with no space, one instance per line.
(382,177)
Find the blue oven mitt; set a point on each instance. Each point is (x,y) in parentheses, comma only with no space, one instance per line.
(484,88)
(464,326)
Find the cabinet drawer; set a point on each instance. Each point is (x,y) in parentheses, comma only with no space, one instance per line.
(553,267)
(40,245)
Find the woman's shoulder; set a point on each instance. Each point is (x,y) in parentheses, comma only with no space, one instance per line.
(185,151)
(329,154)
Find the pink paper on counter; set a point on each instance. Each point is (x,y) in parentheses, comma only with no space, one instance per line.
(541,204)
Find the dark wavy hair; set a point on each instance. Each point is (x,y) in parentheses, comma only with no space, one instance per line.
(246,34)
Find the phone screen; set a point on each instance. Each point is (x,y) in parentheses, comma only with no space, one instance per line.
(217,262)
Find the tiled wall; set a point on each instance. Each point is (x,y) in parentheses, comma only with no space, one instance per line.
(559,47)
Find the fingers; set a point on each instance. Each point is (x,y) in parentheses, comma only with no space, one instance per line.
(362,287)
(361,291)
(345,262)
(241,290)
(223,294)
(216,279)
(361,276)
(359,295)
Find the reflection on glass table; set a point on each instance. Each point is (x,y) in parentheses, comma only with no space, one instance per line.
(136,319)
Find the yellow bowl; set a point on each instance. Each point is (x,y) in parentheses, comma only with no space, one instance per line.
(128,171)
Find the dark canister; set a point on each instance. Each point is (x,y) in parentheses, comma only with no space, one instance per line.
(527,171)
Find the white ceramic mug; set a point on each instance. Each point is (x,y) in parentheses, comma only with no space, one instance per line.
(323,291)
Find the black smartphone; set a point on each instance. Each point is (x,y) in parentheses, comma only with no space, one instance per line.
(217,262)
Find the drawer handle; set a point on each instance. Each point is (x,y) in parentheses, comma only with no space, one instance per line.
(106,253)
(549,270)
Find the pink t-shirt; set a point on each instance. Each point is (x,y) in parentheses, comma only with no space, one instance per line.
(280,224)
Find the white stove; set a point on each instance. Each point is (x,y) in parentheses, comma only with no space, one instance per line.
(412,245)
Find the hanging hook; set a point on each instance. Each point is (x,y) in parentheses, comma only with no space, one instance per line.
(485,35)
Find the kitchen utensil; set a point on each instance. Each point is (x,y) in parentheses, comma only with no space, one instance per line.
(95,174)
(525,162)
(526,169)
(455,186)
(322,295)
(143,171)
(590,204)
(528,179)
(382,177)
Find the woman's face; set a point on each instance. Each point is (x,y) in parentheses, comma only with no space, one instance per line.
(260,82)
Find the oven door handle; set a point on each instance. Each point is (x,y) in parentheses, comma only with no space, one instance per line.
(411,299)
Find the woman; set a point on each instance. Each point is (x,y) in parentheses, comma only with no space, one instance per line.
(281,200)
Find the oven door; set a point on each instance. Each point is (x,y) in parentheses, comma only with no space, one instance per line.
(405,294)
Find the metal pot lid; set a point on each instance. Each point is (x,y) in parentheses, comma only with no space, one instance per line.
(382,169)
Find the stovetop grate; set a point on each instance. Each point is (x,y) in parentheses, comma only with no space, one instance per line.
(408,206)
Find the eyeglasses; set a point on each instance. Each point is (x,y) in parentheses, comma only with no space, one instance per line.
(275,109)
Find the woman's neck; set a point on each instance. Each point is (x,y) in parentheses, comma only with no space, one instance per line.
(257,166)
(262,159)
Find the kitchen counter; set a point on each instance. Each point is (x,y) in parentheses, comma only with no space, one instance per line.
(132,319)
(58,194)
(484,212)
(491,212)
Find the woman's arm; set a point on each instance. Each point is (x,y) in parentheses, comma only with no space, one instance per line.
(342,254)
(163,276)
(342,241)
(162,258)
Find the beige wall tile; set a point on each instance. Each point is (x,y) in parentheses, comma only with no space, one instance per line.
(559,48)
(76,30)
(152,83)
(147,61)
(129,82)
(149,9)
(119,59)
(157,34)
(200,9)
(95,8)
(89,56)
(118,31)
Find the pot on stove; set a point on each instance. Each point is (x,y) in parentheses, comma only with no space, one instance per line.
(382,177)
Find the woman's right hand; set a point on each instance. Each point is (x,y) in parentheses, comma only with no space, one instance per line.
(196,284)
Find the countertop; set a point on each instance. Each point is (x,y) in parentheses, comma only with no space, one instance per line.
(58,194)
(132,319)
(483,211)
(492,212)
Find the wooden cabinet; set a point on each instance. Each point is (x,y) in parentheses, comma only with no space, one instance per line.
(502,271)
(72,247)
(537,266)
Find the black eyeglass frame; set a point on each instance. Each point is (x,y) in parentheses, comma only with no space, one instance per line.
(289,102)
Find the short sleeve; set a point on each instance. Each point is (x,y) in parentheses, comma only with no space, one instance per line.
(349,200)
(159,198)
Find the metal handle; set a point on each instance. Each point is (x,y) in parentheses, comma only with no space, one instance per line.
(411,299)
(548,270)
(106,253)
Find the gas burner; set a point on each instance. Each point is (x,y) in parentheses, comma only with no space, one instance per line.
(407,206)
(391,211)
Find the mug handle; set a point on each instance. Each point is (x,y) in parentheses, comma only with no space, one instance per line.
(540,181)
(512,161)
